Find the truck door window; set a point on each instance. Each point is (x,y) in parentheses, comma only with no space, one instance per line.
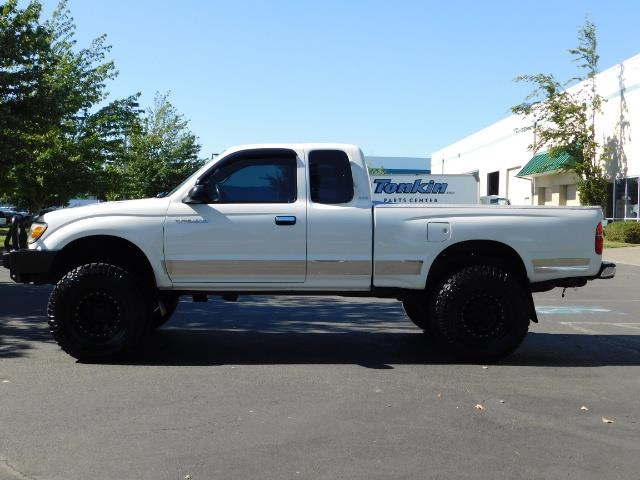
(330,176)
(255,180)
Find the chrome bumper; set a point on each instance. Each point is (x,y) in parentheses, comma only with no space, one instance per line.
(607,270)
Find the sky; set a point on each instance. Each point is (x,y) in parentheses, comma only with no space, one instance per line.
(398,78)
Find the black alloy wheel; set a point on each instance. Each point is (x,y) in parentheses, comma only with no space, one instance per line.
(96,311)
(480,312)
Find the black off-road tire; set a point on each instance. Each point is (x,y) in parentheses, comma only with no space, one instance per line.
(480,313)
(417,309)
(96,311)
(170,301)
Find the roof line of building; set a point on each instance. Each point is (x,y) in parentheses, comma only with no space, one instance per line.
(616,94)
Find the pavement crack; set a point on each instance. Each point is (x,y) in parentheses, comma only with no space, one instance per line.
(14,472)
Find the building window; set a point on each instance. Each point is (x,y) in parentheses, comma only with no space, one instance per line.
(609,211)
(493,183)
(631,208)
(626,199)
(619,192)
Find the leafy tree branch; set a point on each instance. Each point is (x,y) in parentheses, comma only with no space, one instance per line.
(564,120)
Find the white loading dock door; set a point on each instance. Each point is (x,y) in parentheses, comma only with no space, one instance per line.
(518,189)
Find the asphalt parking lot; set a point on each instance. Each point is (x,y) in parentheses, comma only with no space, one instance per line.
(295,388)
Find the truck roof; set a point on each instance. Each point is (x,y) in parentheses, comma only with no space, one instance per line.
(303,146)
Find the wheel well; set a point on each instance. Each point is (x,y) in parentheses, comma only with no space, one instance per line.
(474,252)
(107,249)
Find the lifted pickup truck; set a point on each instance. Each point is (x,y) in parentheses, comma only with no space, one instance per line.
(298,219)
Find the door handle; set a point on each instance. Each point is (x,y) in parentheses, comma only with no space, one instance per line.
(285,220)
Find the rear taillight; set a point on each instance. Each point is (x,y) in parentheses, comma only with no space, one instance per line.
(599,239)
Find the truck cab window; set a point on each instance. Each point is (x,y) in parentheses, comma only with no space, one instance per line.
(330,175)
(255,180)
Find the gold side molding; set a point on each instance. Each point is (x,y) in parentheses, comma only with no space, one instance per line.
(398,267)
(338,267)
(313,268)
(235,268)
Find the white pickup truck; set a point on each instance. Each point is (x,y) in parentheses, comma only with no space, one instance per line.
(298,219)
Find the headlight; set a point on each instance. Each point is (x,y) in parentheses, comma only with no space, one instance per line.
(36,231)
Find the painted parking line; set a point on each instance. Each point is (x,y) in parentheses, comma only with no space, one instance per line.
(571,310)
(583,327)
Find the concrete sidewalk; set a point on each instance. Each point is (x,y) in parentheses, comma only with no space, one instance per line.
(626,255)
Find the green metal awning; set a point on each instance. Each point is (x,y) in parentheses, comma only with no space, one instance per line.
(544,163)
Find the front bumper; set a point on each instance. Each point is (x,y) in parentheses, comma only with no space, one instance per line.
(30,266)
(26,266)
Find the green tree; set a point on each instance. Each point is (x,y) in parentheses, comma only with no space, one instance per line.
(55,141)
(104,145)
(377,170)
(161,153)
(24,46)
(564,121)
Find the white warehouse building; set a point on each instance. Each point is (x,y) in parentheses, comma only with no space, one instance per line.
(505,167)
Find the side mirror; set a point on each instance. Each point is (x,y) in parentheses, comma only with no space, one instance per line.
(198,194)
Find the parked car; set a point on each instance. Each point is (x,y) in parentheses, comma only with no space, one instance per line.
(494,200)
(6,213)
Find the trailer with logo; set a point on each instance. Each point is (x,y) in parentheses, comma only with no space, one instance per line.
(425,188)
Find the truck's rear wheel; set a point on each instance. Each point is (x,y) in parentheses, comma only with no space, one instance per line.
(96,311)
(417,309)
(480,313)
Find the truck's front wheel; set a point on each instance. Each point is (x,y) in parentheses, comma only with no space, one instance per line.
(96,311)
(480,313)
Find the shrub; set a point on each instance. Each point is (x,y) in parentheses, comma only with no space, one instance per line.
(627,232)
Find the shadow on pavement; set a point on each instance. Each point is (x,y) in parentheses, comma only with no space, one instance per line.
(301,330)
(23,318)
(319,330)
(373,350)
